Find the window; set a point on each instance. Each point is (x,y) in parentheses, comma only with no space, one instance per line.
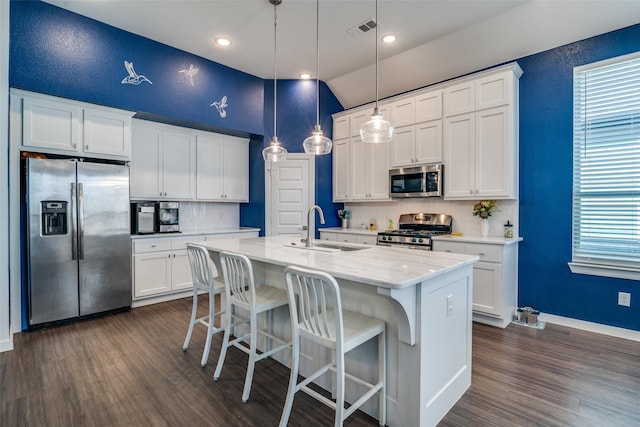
(606,168)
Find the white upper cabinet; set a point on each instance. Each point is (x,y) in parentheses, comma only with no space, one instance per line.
(51,124)
(178,164)
(369,171)
(418,130)
(403,113)
(106,132)
(469,124)
(357,119)
(341,170)
(460,99)
(481,145)
(428,106)
(341,127)
(222,170)
(163,162)
(144,170)
(61,126)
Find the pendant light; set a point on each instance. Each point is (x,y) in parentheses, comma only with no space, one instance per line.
(317,143)
(275,152)
(376,130)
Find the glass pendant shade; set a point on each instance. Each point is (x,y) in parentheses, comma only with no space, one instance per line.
(377,130)
(274,152)
(317,143)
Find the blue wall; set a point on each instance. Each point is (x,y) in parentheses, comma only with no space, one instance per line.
(546,138)
(60,53)
(296,117)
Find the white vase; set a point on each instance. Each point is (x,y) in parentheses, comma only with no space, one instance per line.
(345,223)
(484,227)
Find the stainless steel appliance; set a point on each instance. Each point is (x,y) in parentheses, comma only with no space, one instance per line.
(78,247)
(415,230)
(416,181)
(169,217)
(143,218)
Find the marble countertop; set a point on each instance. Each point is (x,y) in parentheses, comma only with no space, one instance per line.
(478,239)
(195,233)
(381,266)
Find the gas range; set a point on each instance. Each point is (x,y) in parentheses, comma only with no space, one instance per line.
(415,230)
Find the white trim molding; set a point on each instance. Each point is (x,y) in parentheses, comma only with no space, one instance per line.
(605,270)
(598,328)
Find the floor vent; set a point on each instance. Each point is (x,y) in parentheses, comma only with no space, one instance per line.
(362,28)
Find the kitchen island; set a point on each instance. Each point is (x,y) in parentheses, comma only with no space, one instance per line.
(424,298)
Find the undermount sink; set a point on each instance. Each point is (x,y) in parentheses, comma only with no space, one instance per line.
(328,247)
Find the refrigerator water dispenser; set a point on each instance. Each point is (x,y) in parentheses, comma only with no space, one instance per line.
(54,218)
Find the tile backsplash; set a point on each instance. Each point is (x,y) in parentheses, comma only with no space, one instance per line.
(203,217)
(460,210)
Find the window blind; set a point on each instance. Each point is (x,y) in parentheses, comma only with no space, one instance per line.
(606,164)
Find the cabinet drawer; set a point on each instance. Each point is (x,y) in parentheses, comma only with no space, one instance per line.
(181,242)
(454,247)
(491,253)
(151,245)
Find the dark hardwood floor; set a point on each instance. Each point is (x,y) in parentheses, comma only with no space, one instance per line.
(129,369)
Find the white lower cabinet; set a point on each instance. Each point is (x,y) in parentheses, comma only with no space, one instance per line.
(495,278)
(344,236)
(161,265)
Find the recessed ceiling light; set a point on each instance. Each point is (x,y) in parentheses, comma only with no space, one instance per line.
(305,76)
(223,41)
(389,38)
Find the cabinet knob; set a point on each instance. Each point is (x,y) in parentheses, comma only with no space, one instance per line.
(470,191)
(74,145)
(169,256)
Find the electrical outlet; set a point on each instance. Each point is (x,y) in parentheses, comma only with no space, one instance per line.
(624,298)
(449,305)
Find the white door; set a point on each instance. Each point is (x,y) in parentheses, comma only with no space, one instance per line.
(290,191)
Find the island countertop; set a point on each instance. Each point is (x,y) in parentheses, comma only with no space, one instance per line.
(393,268)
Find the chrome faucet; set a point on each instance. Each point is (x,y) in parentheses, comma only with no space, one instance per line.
(309,240)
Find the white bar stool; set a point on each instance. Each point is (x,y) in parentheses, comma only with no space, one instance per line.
(241,292)
(204,279)
(320,318)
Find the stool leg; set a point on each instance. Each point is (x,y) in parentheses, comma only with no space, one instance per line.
(225,343)
(339,389)
(293,380)
(194,311)
(210,319)
(252,357)
(382,376)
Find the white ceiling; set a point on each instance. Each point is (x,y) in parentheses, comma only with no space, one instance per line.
(437,39)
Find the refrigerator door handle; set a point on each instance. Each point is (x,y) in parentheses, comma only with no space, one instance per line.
(74,220)
(80,221)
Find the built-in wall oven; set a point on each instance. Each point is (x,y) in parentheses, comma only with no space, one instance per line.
(416,181)
(415,230)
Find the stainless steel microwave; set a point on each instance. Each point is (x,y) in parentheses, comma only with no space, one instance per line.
(416,181)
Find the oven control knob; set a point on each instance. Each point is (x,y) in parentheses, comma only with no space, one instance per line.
(389,238)
(383,238)
(420,240)
(413,240)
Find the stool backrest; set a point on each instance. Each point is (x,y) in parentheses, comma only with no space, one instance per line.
(202,269)
(319,310)
(238,278)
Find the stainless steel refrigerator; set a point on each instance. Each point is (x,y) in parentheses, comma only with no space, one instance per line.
(79,250)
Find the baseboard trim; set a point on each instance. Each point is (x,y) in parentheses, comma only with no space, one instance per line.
(7,345)
(598,328)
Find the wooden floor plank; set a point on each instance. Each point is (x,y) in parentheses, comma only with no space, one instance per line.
(129,369)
